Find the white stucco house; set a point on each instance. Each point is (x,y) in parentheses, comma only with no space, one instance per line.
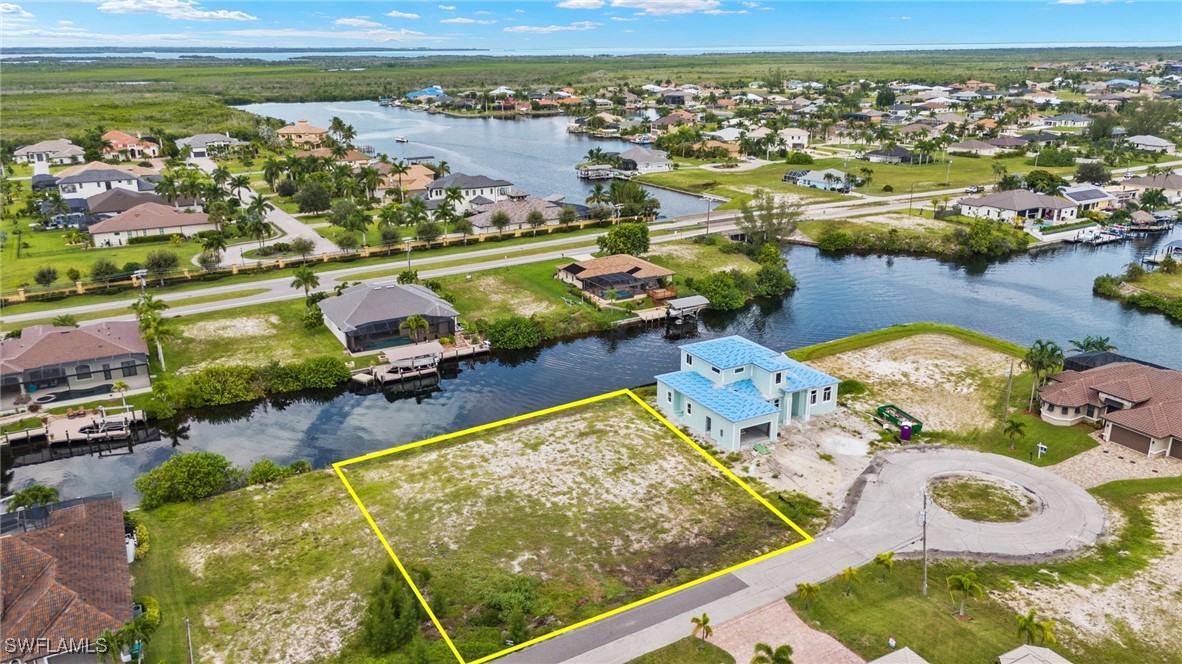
(55,152)
(794,138)
(1147,143)
(1019,205)
(476,190)
(92,181)
(734,392)
(148,219)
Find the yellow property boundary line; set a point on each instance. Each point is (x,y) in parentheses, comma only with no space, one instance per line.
(340,466)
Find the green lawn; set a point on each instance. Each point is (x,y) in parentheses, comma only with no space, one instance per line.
(738,186)
(878,610)
(979,500)
(173,302)
(1167,285)
(646,512)
(689,650)
(932,176)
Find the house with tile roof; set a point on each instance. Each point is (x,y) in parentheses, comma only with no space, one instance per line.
(122,145)
(615,277)
(302,133)
(518,209)
(1140,406)
(735,393)
(1169,183)
(148,219)
(366,317)
(55,152)
(1019,205)
(66,580)
(87,182)
(72,362)
(476,190)
(204,145)
(1088,196)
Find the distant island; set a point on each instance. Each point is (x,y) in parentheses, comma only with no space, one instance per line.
(37,50)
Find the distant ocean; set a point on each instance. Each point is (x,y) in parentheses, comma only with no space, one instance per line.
(278,55)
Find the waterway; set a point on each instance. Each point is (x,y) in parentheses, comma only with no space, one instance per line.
(538,155)
(1044,295)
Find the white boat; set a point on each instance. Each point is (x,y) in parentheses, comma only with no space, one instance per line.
(401,139)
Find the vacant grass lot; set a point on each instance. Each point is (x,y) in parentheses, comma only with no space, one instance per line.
(564,516)
(878,610)
(740,185)
(689,650)
(1166,285)
(980,500)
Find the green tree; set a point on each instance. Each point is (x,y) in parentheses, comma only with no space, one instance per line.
(722,290)
(303,246)
(514,333)
(313,196)
(1154,199)
(766,219)
(65,320)
(535,219)
(103,270)
(463,226)
(518,631)
(886,561)
(568,215)
(807,592)
(884,98)
(966,584)
(34,496)
(701,627)
(185,477)
(1091,344)
(147,306)
(1152,117)
(1041,358)
(428,231)
(765,654)
(1093,172)
(1044,182)
(415,324)
(1013,430)
(209,260)
(630,238)
(108,646)
(1030,628)
(155,330)
(391,618)
(121,387)
(305,278)
(160,262)
(349,241)
(214,242)
(850,576)
(1009,182)
(341,212)
(45,276)
(500,221)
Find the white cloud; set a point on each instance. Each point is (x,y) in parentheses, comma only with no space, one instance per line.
(622,19)
(750,5)
(546,29)
(186,10)
(461,19)
(719,12)
(482,13)
(519,11)
(448,8)
(381,36)
(581,4)
(1069,2)
(357,23)
(13,12)
(667,7)
(398,14)
(904,18)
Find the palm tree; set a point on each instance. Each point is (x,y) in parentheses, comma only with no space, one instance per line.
(272,169)
(147,306)
(702,627)
(1014,429)
(108,646)
(336,126)
(398,169)
(598,195)
(966,584)
(370,178)
(65,320)
(121,387)
(413,324)
(214,242)
(259,206)
(886,561)
(1154,199)
(1090,344)
(255,227)
(155,330)
(221,175)
(999,171)
(765,654)
(238,183)
(348,133)
(1030,628)
(305,278)
(1043,357)
(416,211)
(867,176)
(807,592)
(850,576)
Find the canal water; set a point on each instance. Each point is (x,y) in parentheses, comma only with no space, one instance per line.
(1040,295)
(537,155)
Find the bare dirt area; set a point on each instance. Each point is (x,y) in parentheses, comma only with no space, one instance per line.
(820,458)
(1110,462)
(902,222)
(1146,605)
(232,328)
(675,249)
(947,383)
(499,293)
(779,197)
(775,625)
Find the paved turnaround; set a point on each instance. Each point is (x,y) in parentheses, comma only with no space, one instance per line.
(884,519)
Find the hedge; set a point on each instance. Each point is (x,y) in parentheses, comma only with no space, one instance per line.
(227,384)
(151,239)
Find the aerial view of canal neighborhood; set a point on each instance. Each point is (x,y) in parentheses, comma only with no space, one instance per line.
(591,331)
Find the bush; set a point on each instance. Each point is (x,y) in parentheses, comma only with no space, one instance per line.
(218,386)
(850,387)
(798,158)
(313,318)
(149,239)
(625,239)
(131,266)
(151,614)
(722,290)
(285,188)
(773,281)
(834,240)
(300,467)
(514,332)
(186,477)
(887,187)
(266,472)
(142,541)
(1053,157)
(391,617)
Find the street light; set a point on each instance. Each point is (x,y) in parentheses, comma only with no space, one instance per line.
(922,519)
(408,243)
(948,174)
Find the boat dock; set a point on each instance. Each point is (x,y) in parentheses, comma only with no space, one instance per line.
(415,361)
(596,172)
(100,425)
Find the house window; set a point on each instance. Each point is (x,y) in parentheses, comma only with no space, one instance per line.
(1091,411)
(128,367)
(106,372)
(1050,408)
(828,394)
(779,378)
(812,397)
(82,372)
(1064,410)
(1077,410)
(776,403)
(689,359)
(689,408)
(740,370)
(669,396)
(716,370)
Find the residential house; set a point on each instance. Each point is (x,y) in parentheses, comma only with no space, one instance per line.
(1020,205)
(1068,120)
(413,182)
(302,133)
(975,147)
(1140,406)
(616,277)
(917,131)
(125,146)
(48,363)
(148,219)
(677,97)
(829,179)
(1169,183)
(1042,138)
(518,210)
(350,158)
(794,138)
(367,317)
(66,580)
(88,182)
(644,160)
(476,190)
(1007,142)
(1151,144)
(428,92)
(1088,197)
(734,392)
(868,115)
(1028,654)
(115,201)
(726,134)
(896,155)
(207,145)
(55,153)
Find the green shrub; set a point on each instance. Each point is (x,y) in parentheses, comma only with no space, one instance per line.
(798,158)
(149,239)
(300,467)
(850,387)
(319,372)
(218,386)
(267,471)
(151,614)
(514,332)
(887,187)
(834,240)
(186,477)
(722,289)
(142,541)
(391,617)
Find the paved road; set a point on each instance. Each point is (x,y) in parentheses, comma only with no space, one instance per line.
(884,520)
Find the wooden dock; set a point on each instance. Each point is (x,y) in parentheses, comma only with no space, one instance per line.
(417,361)
(68,430)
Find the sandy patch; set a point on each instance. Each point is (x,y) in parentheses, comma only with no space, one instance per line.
(945,382)
(1110,462)
(779,197)
(902,222)
(675,249)
(777,624)
(232,328)
(495,289)
(1146,604)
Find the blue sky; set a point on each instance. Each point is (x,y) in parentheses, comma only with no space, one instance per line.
(588,25)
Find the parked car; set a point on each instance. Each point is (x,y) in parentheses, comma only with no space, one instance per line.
(139,274)
(974,189)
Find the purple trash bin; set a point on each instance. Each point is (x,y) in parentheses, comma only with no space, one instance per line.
(905,432)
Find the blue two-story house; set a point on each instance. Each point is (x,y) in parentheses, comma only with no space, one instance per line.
(734,392)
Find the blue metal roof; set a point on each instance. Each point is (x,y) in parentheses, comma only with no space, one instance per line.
(804,377)
(735,351)
(735,402)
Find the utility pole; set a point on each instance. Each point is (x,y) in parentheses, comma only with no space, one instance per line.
(189,635)
(923,519)
(1005,414)
(911,198)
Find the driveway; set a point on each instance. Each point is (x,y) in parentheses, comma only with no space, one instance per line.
(884,519)
(291,227)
